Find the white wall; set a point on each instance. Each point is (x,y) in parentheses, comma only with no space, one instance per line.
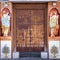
(0,49)
(32,0)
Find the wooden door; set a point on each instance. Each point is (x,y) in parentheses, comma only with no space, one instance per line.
(30,27)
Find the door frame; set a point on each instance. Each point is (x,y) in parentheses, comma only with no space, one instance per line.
(46,34)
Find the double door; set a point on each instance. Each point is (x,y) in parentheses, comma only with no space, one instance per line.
(30,27)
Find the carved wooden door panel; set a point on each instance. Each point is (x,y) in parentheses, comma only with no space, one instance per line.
(30,29)
(23,29)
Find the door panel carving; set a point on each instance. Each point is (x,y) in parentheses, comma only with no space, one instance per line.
(30,28)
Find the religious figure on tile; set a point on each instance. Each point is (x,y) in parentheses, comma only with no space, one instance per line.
(5,20)
(54,26)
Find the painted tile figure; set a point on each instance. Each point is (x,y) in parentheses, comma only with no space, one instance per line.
(5,21)
(54,26)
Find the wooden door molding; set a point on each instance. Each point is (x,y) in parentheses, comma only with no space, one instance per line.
(30,5)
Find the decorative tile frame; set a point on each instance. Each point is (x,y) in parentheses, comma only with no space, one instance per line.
(8,43)
(51,44)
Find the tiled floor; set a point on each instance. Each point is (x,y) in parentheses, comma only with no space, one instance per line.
(25,58)
(29,58)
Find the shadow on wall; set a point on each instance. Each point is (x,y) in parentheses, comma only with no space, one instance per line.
(59,25)
(0,25)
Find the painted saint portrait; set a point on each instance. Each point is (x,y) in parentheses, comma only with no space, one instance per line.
(54,26)
(5,21)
